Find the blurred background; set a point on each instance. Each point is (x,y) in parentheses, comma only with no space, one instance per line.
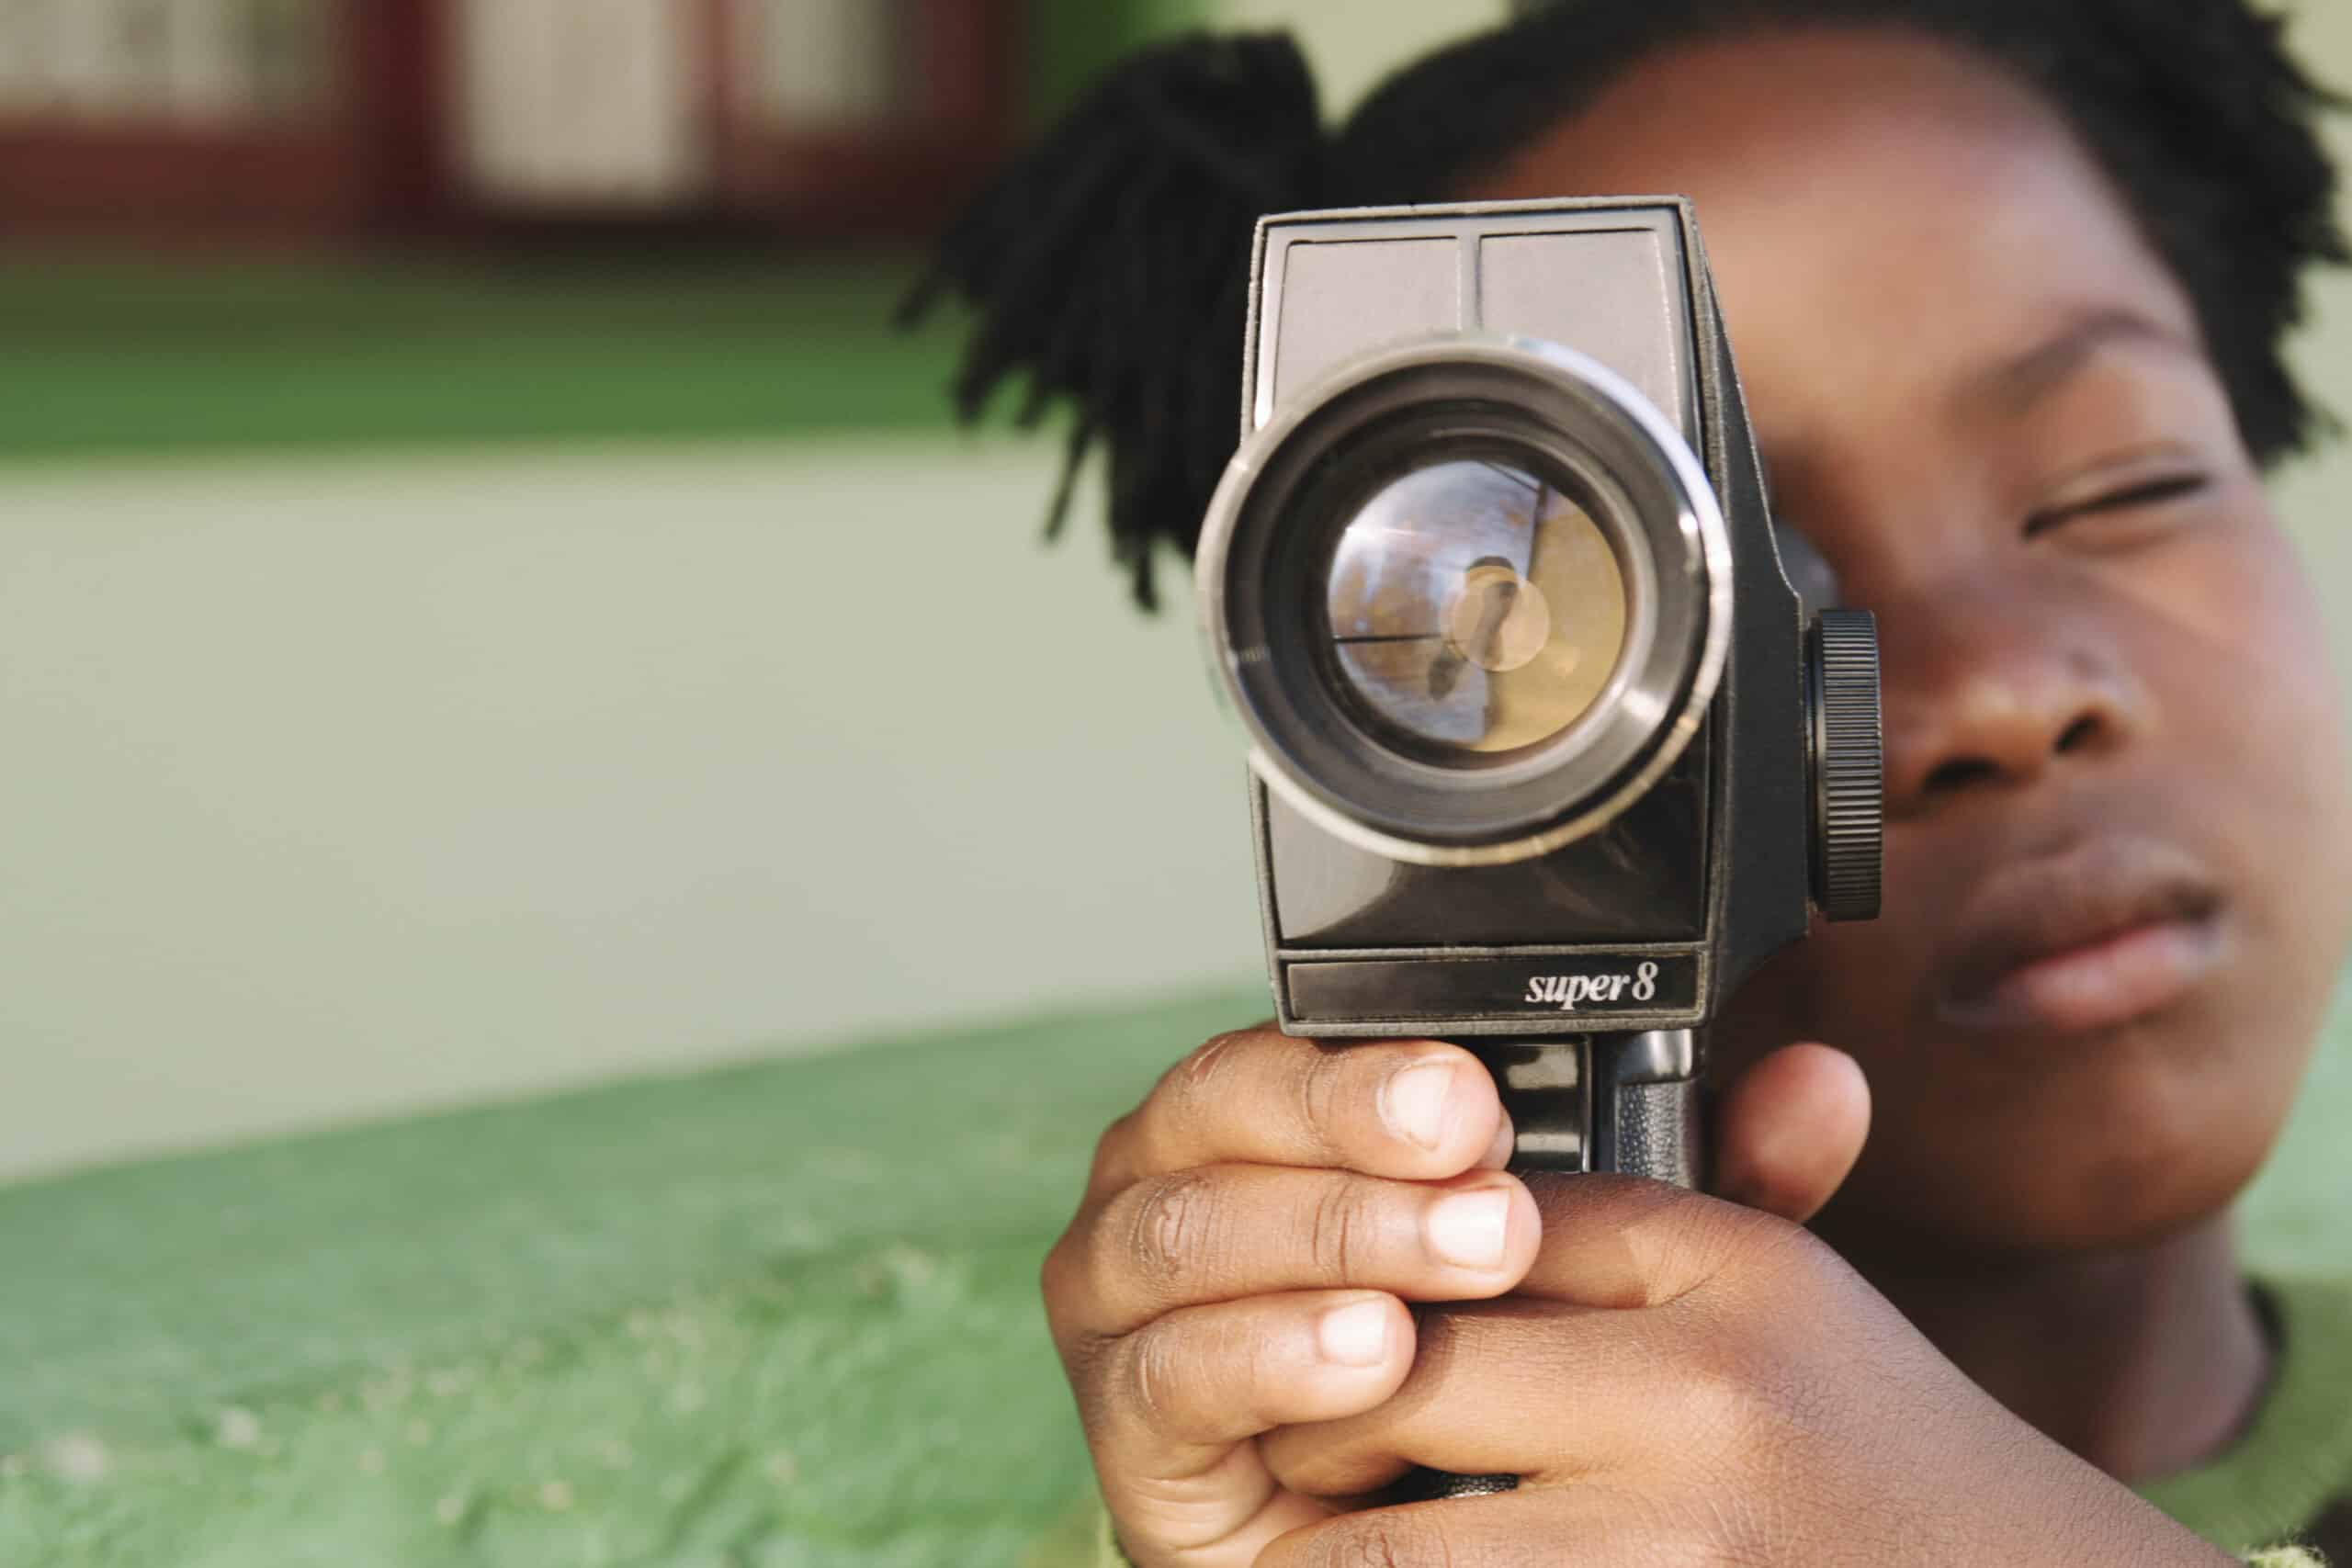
(579,811)
(487,601)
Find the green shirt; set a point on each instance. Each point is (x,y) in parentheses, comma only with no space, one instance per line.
(2290,1476)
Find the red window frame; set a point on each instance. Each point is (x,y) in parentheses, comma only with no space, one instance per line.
(368,159)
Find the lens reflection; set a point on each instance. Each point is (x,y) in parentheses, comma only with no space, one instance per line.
(1474,609)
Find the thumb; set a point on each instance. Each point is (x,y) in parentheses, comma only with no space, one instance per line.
(1789,1130)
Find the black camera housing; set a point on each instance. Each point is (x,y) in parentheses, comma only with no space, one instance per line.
(1713,851)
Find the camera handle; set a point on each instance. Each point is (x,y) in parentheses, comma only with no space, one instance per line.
(1625,1104)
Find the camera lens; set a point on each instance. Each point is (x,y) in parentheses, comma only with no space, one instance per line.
(1474,609)
(1472,597)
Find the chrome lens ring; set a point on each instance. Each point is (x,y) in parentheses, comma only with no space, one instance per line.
(1267,545)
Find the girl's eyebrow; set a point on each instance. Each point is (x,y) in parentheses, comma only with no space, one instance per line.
(2012,386)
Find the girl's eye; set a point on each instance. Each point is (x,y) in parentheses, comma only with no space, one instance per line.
(2133,497)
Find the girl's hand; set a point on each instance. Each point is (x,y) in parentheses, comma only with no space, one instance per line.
(1250,1236)
(1678,1380)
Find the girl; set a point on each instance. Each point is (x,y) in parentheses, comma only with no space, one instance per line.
(2008,281)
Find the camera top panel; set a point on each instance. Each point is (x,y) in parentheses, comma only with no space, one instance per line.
(1608,278)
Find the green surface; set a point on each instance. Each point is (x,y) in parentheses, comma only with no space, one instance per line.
(119,357)
(780,1314)
(2284,1472)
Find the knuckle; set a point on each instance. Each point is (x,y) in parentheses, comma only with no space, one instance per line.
(1209,1062)
(1156,1376)
(1193,1093)
(1053,1274)
(1320,1085)
(1062,1282)
(1397,1538)
(1169,1228)
(1340,1232)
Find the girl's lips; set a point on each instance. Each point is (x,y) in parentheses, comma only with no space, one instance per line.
(2100,985)
(2111,931)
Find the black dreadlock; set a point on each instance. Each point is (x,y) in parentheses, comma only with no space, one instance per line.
(1110,263)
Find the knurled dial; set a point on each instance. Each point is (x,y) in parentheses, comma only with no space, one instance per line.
(1849,764)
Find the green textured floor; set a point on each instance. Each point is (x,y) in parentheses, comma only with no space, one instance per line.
(782,1315)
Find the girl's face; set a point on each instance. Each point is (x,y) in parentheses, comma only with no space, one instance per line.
(2119,880)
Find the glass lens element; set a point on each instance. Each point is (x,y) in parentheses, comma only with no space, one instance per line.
(1474,609)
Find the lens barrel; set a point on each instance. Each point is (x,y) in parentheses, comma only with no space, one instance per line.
(1471,596)
(1849,764)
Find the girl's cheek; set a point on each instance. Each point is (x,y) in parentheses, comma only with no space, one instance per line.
(2252,703)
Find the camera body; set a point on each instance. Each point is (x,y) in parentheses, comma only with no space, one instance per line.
(1548,754)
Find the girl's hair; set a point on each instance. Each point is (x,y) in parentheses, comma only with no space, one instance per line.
(1110,264)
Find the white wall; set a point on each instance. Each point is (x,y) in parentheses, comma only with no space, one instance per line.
(339,787)
(580,104)
(1355,43)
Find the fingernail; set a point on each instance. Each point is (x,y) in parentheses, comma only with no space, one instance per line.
(1499,1153)
(1469,1229)
(1355,1335)
(1415,1103)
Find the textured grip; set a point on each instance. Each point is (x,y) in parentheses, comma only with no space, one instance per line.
(1658,1131)
(1849,766)
(1640,1126)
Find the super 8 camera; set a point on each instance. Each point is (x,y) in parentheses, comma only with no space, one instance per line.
(1548,755)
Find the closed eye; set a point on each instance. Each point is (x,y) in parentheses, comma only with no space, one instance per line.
(2150,492)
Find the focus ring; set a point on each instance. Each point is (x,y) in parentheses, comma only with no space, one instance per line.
(1849,809)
